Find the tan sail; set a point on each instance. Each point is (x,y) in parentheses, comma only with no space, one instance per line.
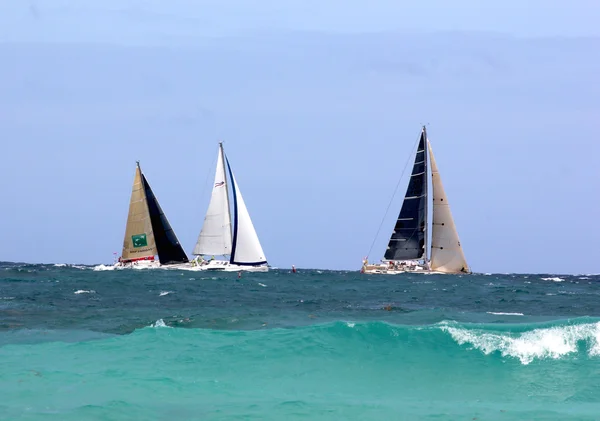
(139,238)
(446,252)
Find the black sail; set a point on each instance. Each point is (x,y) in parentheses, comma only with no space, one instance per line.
(167,244)
(408,238)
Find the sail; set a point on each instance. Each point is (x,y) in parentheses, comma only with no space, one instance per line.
(446,252)
(215,236)
(408,238)
(139,237)
(246,249)
(167,245)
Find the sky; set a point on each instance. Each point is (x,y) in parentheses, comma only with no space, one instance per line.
(319,105)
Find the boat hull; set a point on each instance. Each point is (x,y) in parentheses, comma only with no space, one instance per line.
(225,266)
(383,270)
(148,264)
(138,264)
(386,269)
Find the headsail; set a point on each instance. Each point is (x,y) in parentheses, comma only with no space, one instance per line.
(215,236)
(408,238)
(246,249)
(446,252)
(167,245)
(139,236)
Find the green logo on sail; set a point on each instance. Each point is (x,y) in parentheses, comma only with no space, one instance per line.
(139,240)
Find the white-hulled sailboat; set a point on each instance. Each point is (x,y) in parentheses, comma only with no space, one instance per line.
(237,242)
(409,249)
(148,232)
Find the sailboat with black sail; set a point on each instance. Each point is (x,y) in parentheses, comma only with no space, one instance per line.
(409,248)
(237,242)
(148,232)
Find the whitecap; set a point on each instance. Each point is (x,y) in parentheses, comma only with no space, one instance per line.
(262,285)
(553,342)
(163,293)
(83,291)
(350,324)
(103,267)
(159,323)
(555,279)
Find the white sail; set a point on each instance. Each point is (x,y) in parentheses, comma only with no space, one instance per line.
(247,249)
(215,236)
(446,252)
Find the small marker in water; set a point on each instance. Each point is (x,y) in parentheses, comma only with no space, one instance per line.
(293,269)
(239,274)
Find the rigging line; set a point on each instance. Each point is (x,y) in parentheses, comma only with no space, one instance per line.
(393,195)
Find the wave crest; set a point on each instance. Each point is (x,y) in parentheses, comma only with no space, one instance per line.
(552,342)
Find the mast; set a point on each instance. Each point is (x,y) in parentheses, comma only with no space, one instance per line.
(426,202)
(226,188)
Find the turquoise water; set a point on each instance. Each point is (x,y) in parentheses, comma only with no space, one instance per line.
(78,344)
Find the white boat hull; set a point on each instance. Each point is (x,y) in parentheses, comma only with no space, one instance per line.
(387,269)
(148,264)
(224,266)
(138,264)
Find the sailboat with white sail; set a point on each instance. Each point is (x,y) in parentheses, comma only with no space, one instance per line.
(409,248)
(148,232)
(237,242)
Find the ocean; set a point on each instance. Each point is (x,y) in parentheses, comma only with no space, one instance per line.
(83,344)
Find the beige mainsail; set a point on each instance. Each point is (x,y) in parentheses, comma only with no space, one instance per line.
(139,238)
(446,252)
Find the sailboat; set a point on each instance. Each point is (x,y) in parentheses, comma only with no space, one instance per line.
(409,248)
(237,242)
(148,232)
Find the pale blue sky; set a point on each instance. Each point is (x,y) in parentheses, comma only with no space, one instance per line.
(319,106)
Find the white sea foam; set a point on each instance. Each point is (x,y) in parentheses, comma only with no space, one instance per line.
(103,267)
(163,293)
(261,284)
(543,343)
(83,291)
(555,279)
(60,265)
(350,324)
(159,323)
(504,314)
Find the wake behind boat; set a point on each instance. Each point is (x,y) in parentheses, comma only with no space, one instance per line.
(238,243)
(148,232)
(409,249)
